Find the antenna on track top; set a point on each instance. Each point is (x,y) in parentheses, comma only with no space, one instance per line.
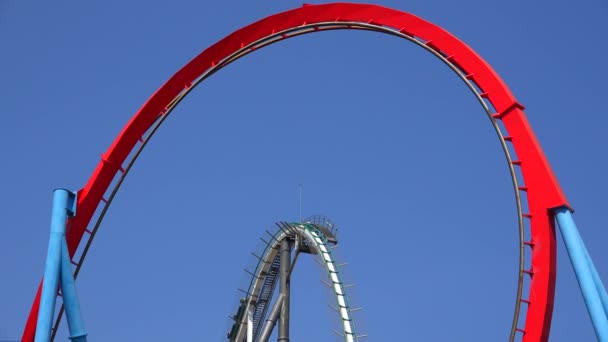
(300,200)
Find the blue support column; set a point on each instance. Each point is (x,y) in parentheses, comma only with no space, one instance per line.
(58,270)
(584,274)
(599,285)
(70,298)
(53,265)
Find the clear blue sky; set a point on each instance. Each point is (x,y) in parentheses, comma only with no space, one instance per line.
(385,140)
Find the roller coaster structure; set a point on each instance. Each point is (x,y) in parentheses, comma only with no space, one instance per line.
(316,235)
(73,224)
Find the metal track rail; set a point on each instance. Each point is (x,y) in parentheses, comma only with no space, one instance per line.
(260,289)
(318,239)
(327,26)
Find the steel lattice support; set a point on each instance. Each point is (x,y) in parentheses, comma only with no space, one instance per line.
(284,289)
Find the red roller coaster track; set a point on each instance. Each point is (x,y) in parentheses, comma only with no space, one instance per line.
(543,190)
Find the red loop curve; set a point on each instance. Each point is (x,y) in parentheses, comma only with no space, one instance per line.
(543,189)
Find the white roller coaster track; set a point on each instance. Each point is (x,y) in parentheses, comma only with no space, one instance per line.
(318,241)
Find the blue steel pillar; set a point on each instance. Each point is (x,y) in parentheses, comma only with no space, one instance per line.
(597,280)
(588,279)
(70,299)
(58,270)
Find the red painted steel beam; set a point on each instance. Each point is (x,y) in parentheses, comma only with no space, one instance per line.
(544,191)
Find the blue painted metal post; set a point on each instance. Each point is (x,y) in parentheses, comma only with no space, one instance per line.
(58,270)
(70,298)
(53,265)
(599,285)
(578,258)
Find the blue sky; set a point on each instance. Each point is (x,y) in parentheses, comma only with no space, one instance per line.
(385,140)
